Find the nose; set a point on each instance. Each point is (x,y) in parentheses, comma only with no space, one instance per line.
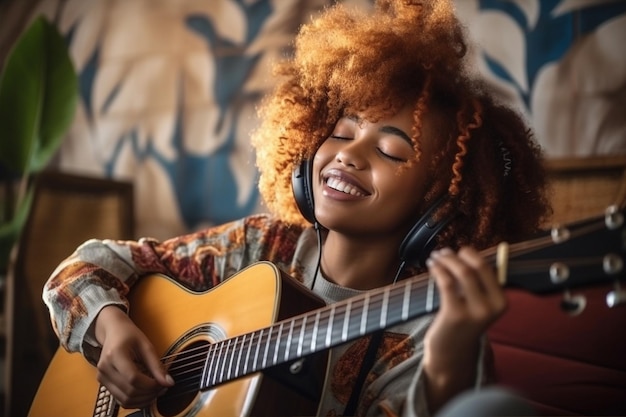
(352,154)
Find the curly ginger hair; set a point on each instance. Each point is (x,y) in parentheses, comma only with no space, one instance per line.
(374,63)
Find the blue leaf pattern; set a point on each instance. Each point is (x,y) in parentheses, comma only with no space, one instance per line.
(169,89)
(553,60)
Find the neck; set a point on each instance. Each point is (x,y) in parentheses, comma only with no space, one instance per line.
(358,262)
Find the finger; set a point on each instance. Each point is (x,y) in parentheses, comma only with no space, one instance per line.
(466,276)
(127,400)
(449,292)
(130,375)
(154,366)
(486,272)
(122,389)
(487,276)
(470,270)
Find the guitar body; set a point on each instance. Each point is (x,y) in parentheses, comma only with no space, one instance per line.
(178,320)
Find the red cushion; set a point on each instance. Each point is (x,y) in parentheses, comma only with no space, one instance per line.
(563,364)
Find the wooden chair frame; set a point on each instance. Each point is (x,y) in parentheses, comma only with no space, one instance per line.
(67,210)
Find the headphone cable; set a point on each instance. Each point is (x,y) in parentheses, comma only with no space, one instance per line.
(318,231)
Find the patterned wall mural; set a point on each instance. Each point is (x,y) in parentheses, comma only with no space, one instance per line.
(561,62)
(169,88)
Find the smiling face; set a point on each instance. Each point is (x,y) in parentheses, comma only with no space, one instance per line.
(362,181)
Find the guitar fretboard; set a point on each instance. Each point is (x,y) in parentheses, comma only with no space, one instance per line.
(309,333)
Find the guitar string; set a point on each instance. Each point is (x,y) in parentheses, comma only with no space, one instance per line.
(345,309)
(189,372)
(191,383)
(326,313)
(515,250)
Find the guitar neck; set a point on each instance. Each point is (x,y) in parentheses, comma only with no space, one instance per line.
(587,252)
(318,330)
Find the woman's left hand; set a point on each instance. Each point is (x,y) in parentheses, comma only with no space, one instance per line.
(470,300)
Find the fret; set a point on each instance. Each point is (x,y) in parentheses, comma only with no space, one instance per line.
(217,361)
(352,323)
(213,358)
(251,343)
(301,339)
(383,310)
(322,328)
(234,350)
(289,338)
(366,304)
(340,315)
(429,294)
(315,329)
(255,363)
(278,338)
(283,347)
(329,327)
(346,321)
(407,300)
(240,350)
(223,357)
(267,347)
(226,360)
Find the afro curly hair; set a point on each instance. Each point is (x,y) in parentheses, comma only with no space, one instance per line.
(375,62)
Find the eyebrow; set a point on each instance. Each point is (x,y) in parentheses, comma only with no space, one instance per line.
(397,132)
(386,129)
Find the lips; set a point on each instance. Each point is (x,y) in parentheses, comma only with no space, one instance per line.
(344,183)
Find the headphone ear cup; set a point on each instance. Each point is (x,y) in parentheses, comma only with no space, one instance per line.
(421,239)
(302,189)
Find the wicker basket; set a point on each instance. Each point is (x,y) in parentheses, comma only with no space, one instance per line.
(585,187)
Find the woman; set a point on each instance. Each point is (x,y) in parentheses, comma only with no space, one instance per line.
(394,150)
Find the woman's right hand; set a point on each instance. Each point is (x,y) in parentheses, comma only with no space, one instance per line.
(129,366)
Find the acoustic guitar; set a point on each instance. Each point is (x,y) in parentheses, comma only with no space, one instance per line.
(257,343)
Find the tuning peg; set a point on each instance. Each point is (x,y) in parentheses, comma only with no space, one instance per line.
(616,297)
(613,218)
(573,305)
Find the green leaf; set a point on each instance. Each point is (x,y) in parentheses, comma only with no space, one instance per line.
(10,231)
(59,101)
(38,97)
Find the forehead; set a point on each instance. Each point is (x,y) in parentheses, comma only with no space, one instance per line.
(402,118)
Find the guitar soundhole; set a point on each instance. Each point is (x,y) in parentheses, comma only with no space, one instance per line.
(186,369)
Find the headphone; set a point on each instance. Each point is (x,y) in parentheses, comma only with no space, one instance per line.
(417,244)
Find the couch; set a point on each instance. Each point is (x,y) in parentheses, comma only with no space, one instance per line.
(561,360)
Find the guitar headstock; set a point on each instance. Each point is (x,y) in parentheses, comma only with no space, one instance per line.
(585,253)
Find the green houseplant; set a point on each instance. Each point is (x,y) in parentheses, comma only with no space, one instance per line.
(38,97)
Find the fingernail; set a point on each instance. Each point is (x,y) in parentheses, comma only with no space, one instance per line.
(430,262)
(169,379)
(440,252)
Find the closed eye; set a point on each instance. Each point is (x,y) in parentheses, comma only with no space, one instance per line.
(340,137)
(390,157)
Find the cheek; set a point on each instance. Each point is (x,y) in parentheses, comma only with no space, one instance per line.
(407,188)
(322,157)
(325,151)
(409,181)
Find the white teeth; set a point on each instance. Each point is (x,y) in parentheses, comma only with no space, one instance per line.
(344,187)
